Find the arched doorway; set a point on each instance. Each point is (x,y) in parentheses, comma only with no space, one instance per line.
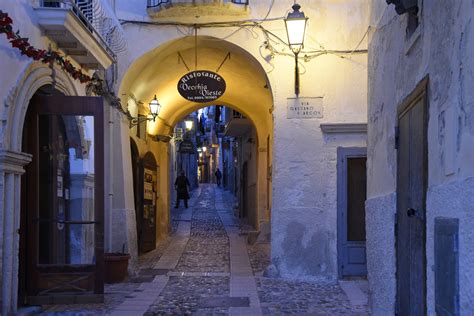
(135,155)
(225,142)
(146,211)
(62,200)
(247,91)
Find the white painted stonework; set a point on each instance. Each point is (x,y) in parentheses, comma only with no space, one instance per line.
(303,217)
(441,49)
(304,214)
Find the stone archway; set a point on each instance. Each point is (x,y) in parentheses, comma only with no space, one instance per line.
(12,162)
(248,91)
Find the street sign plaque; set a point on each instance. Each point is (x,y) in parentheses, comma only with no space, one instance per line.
(304,108)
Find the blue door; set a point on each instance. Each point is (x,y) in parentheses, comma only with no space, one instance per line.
(351,196)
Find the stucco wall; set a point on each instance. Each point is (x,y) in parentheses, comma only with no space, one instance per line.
(440,48)
(304,197)
(304,214)
(15,67)
(21,77)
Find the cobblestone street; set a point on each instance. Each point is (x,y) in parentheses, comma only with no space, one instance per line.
(207,268)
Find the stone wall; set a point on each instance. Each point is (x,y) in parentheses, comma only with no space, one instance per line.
(440,49)
(304,177)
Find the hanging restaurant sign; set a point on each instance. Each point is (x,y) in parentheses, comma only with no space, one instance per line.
(186,147)
(201,86)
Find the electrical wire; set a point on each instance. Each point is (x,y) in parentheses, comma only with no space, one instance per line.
(269,10)
(271,39)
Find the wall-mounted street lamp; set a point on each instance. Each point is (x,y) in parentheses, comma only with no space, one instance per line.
(204,149)
(154,106)
(189,125)
(295,24)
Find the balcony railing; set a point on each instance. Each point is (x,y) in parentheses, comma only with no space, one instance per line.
(92,16)
(157,3)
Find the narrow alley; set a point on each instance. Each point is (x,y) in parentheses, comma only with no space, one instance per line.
(206,267)
(322,152)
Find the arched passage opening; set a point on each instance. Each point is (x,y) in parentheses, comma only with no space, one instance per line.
(247,92)
(218,145)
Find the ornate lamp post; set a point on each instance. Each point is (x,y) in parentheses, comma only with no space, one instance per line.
(154,106)
(295,24)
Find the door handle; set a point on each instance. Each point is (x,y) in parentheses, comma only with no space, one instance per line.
(411,212)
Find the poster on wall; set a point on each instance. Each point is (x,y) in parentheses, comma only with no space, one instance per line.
(60,185)
(148,175)
(148,185)
(148,191)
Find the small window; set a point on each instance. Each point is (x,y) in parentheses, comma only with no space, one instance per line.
(240,1)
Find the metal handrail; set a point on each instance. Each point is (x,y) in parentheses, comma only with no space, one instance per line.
(67,222)
(80,15)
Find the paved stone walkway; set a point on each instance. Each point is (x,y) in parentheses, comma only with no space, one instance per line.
(207,268)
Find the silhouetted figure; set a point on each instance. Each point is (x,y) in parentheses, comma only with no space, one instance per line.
(181,185)
(218,175)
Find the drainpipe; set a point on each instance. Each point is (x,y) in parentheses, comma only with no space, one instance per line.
(111,180)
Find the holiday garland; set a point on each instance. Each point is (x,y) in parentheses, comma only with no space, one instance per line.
(45,56)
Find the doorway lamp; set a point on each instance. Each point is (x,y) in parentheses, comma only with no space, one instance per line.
(154,106)
(189,124)
(295,24)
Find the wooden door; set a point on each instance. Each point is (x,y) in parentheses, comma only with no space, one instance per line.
(411,207)
(351,196)
(136,169)
(64,200)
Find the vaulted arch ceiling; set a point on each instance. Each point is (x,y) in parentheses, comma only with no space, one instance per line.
(158,72)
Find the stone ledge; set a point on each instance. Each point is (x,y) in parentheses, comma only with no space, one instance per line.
(336,128)
(13,161)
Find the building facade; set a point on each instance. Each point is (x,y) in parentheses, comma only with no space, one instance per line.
(307,151)
(420,185)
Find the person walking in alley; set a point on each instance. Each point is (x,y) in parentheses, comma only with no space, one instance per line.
(181,185)
(218,175)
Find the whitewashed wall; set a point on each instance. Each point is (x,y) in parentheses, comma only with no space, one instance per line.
(304,160)
(20,78)
(441,48)
(304,214)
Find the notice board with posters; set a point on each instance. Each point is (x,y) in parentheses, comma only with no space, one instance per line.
(146,218)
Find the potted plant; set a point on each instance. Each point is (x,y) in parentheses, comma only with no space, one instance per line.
(116,266)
